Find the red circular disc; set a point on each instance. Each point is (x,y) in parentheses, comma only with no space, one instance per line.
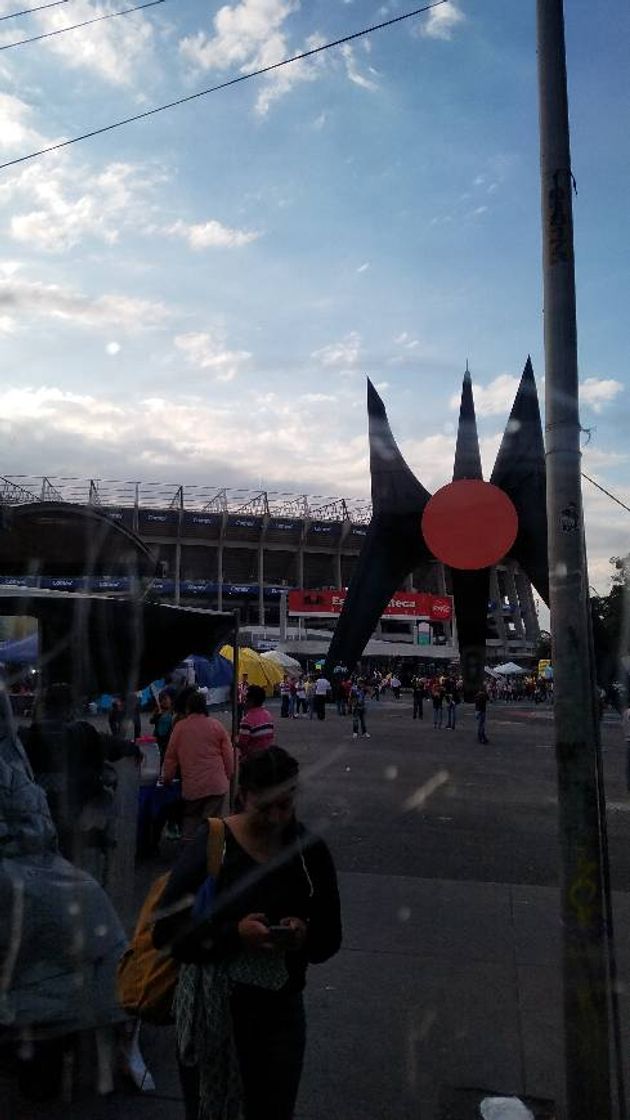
(470,524)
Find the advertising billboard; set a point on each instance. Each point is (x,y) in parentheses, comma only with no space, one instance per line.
(403,606)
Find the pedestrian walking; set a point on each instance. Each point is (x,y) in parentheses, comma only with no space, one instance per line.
(292,699)
(309,688)
(256,732)
(322,689)
(130,721)
(417,689)
(162,721)
(285,697)
(452,700)
(437,699)
(200,748)
(300,697)
(358,702)
(481,704)
(396,685)
(241,696)
(239,1010)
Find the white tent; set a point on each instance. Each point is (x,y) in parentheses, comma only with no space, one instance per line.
(289,664)
(510,669)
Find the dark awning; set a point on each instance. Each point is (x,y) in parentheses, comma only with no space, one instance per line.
(102,644)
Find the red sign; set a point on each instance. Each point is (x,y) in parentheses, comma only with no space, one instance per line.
(404,605)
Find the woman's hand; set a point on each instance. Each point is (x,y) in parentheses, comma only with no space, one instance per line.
(299,929)
(254,932)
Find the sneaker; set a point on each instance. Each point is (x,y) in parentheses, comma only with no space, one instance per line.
(366,735)
(355,735)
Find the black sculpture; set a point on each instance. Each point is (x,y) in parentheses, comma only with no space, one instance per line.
(404,514)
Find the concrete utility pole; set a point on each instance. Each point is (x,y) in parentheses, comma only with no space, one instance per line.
(580,794)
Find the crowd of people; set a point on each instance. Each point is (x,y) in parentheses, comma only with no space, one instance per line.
(242,949)
(242,946)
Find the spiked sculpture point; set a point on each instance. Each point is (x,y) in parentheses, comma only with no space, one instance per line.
(490,522)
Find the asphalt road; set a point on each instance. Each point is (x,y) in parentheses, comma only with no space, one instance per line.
(411,800)
(449,975)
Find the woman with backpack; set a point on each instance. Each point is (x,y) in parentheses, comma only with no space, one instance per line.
(238,1005)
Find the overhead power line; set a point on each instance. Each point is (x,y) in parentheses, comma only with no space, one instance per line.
(84,23)
(29,11)
(222,85)
(606,492)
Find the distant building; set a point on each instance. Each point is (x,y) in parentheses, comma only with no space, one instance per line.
(223,549)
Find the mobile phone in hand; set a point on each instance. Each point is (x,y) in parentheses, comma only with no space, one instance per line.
(281,935)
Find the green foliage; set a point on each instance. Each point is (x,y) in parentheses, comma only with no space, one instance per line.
(609,609)
(543,646)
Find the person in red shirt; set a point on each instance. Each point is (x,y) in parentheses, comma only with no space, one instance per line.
(256,732)
(200,747)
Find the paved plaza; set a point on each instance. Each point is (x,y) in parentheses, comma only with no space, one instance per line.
(449,974)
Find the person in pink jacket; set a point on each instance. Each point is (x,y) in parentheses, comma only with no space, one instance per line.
(256,732)
(200,748)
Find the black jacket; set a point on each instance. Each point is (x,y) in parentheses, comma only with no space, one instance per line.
(300,883)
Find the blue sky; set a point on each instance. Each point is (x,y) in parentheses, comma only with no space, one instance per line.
(198,297)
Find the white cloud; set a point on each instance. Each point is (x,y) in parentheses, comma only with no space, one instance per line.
(363,267)
(599,391)
(112,349)
(287,441)
(17,131)
(441,22)
(68,203)
(493,399)
(252,35)
(320,121)
(353,72)
(340,354)
(212,234)
(241,31)
(23,298)
(208,350)
(116,50)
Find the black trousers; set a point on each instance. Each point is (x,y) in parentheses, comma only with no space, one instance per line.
(418,712)
(320,706)
(270,1035)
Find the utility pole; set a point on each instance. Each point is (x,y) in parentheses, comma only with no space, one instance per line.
(585,916)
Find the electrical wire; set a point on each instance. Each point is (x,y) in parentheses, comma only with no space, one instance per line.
(222,85)
(28,11)
(84,23)
(606,492)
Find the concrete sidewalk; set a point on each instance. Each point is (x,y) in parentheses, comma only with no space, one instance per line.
(439,984)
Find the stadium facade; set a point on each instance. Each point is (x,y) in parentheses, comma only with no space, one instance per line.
(224,549)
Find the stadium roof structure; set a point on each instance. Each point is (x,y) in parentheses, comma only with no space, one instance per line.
(18,490)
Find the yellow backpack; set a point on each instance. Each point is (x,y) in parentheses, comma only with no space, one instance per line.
(146,976)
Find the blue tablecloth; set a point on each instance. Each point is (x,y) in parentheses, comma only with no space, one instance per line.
(156,804)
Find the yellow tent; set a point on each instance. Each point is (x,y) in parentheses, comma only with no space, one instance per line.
(259,671)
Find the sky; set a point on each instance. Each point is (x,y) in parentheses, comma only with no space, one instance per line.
(199,296)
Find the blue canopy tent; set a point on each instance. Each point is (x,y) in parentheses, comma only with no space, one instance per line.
(20,651)
(212,672)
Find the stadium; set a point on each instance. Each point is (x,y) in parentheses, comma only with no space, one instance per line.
(272,556)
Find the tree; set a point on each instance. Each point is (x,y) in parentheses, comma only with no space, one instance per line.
(611,627)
